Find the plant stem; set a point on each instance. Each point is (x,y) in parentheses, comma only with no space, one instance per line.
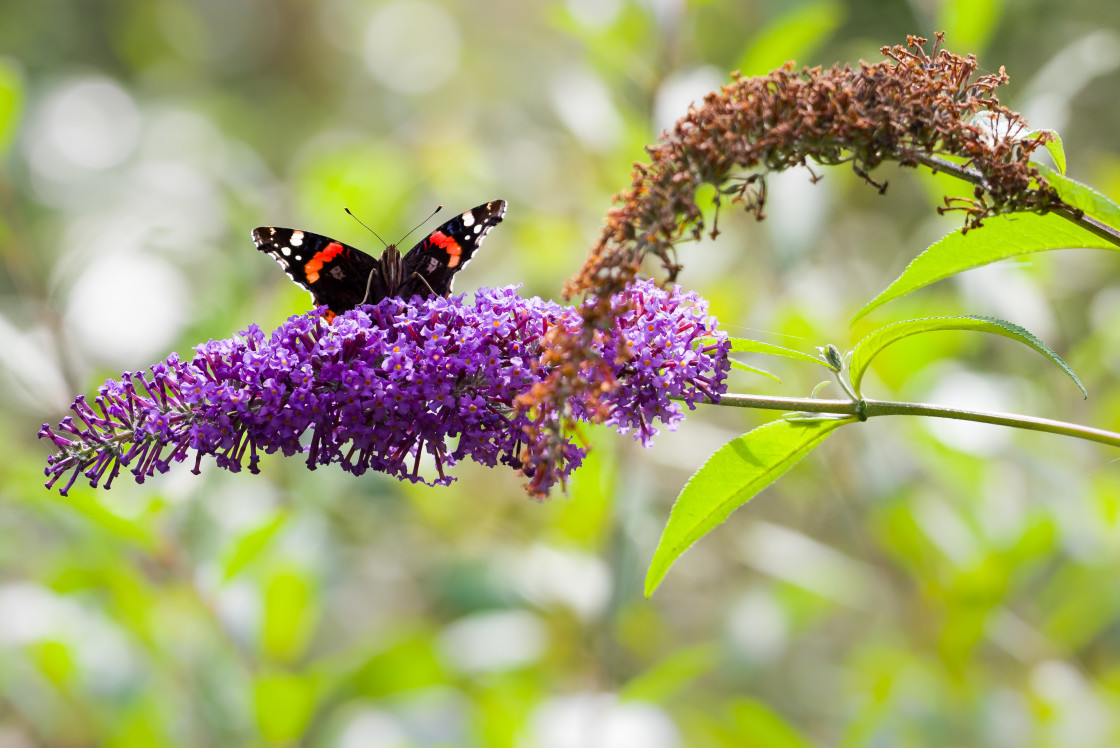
(1103,230)
(873,408)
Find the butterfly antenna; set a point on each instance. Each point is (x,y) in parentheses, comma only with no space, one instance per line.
(359,220)
(437,210)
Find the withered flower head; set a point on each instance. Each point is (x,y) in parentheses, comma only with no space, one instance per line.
(912,108)
(905,109)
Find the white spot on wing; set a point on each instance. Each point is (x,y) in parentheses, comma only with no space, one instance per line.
(478,228)
(468,218)
(285,251)
(297,238)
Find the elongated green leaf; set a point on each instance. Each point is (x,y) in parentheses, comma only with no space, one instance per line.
(661,682)
(969,23)
(284,705)
(134,530)
(873,344)
(730,478)
(1055,147)
(251,544)
(746,345)
(758,724)
(11,102)
(754,370)
(998,239)
(289,614)
(796,35)
(1082,196)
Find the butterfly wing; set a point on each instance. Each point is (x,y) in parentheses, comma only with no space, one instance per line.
(431,265)
(334,273)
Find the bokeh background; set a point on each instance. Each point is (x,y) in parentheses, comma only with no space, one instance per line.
(910,584)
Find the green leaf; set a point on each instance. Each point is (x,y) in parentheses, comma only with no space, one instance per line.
(139,726)
(251,544)
(289,611)
(762,726)
(969,24)
(1082,196)
(87,503)
(820,386)
(55,661)
(874,343)
(753,370)
(732,476)
(587,517)
(284,704)
(746,345)
(660,683)
(11,102)
(411,663)
(998,239)
(1054,146)
(795,35)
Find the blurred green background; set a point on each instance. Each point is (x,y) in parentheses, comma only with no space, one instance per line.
(910,584)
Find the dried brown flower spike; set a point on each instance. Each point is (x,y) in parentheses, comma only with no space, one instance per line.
(906,109)
(915,108)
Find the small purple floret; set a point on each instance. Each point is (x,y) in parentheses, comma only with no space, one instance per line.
(384,384)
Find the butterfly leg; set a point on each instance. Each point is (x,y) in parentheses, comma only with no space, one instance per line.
(425,281)
(369,284)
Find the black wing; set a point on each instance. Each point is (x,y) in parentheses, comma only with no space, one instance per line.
(334,273)
(431,265)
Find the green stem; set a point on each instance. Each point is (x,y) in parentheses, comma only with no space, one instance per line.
(1103,230)
(873,408)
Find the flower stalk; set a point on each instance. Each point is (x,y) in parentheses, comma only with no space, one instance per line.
(1077,217)
(869,408)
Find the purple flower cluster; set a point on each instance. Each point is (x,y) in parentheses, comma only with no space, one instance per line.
(381,385)
(665,347)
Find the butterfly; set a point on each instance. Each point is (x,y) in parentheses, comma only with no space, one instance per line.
(340,277)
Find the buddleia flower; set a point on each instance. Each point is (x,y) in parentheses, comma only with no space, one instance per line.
(380,387)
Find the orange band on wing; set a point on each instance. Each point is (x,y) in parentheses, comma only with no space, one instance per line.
(323,256)
(446,243)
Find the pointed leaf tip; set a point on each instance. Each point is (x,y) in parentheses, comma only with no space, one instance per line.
(732,476)
(874,343)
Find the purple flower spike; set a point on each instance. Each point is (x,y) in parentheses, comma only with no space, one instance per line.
(383,385)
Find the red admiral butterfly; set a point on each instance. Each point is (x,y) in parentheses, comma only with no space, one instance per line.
(341,277)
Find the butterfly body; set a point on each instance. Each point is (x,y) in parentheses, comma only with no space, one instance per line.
(341,277)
